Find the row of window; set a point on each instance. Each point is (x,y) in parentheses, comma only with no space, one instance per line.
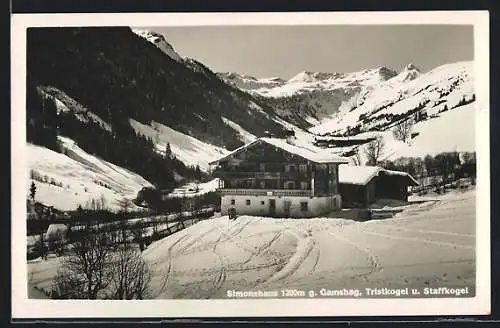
(303,205)
(304,185)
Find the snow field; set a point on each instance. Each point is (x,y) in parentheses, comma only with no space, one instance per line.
(455,78)
(428,244)
(187,149)
(423,245)
(245,136)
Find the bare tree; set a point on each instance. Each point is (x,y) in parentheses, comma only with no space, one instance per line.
(57,243)
(103,203)
(125,205)
(402,130)
(420,169)
(429,164)
(138,231)
(374,151)
(130,276)
(86,271)
(356,158)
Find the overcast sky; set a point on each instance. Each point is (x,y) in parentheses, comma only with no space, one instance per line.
(266,51)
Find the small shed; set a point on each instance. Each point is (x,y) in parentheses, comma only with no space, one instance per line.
(357,184)
(360,186)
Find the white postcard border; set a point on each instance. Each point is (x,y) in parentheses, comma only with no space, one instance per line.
(22,307)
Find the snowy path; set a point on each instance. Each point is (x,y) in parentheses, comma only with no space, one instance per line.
(425,244)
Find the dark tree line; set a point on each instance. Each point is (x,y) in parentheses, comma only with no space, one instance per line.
(41,117)
(125,148)
(443,165)
(155,200)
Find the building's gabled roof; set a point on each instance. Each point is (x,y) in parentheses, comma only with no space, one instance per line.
(306,151)
(361,175)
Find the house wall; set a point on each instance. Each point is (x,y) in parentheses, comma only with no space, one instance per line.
(259,205)
(262,166)
(352,195)
(392,187)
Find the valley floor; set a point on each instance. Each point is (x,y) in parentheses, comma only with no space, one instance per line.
(428,244)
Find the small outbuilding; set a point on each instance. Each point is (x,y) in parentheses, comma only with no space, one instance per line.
(361,186)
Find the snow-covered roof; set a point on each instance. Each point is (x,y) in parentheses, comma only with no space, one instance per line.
(304,150)
(361,175)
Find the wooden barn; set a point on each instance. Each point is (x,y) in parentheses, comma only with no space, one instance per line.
(361,186)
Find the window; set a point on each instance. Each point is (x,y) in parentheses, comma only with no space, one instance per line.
(233,202)
(262,166)
(290,185)
(303,168)
(262,202)
(303,206)
(263,185)
(303,185)
(248,201)
(248,183)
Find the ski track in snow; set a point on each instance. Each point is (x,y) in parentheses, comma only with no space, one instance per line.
(258,253)
(303,262)
(374,262)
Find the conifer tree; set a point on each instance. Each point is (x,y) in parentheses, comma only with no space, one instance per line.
(32,190)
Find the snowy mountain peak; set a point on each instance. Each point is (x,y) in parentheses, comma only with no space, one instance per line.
(386,73)
(307,76)
(158,40)
(248,82)
(410,72)
(412,67)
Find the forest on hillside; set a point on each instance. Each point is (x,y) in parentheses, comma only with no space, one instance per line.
(119,75)
(121,146)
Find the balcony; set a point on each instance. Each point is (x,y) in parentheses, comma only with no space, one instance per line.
(266,192)
(261,175)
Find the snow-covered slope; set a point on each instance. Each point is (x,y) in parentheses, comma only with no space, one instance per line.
(158,40)
(219,255)
(309,97)
(245,136)
(76,177)
(432,136)
(438,135)
(247,82)
(187,149)
(334,102)
(195,189)
(443,86)
(306,81)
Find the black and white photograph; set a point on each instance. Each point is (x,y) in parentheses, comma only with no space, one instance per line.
(231,161)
